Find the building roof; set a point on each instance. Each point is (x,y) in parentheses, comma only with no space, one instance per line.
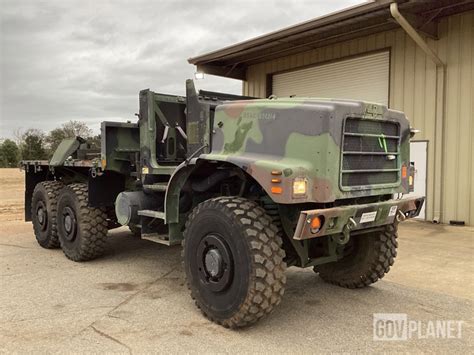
(353,22)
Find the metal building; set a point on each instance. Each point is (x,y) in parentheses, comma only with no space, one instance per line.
(415,56)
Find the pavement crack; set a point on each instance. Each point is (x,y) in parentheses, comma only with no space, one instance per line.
(49,316)
(128,299)
(117,317)
(115,340)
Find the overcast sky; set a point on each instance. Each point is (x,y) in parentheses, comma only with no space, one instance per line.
(87,60)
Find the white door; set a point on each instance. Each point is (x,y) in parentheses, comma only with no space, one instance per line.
(361,78)
(419,159)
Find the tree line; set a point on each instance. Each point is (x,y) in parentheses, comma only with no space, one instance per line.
(35,144)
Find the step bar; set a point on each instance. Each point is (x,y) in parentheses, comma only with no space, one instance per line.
(152,214)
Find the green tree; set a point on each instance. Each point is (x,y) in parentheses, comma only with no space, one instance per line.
(54,138)
(9,154)
(33,145)
(67,130)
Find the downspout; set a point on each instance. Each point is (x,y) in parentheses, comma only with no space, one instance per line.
(440,106)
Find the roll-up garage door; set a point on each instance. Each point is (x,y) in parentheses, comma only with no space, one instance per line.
(361,78)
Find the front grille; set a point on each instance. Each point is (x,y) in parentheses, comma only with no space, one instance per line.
(370,153)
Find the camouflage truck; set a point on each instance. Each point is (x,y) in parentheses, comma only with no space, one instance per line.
(247,186)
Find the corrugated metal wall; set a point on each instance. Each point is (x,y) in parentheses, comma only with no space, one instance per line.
(413,90)
(364,77)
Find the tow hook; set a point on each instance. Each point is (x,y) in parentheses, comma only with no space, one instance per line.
(400,216)
(344,237)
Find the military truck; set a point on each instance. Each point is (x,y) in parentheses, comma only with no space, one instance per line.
(247,186)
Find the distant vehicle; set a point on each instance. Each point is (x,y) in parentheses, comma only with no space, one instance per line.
(248,186)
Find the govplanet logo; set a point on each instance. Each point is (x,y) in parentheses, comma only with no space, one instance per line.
(397,326)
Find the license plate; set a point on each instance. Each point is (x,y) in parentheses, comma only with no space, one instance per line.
(368,217)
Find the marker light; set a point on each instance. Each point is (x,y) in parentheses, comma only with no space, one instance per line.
(404,172)
(299,186)
(199,75)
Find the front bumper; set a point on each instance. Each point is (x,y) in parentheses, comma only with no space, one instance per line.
(345,219)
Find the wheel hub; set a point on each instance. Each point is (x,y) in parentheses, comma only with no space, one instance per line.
(42,215)
(69,223)
(215,263)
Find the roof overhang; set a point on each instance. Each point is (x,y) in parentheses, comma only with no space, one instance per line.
(358,21)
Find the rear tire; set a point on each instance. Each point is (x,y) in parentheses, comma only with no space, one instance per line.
(233,261)
(369,257)
(82,229)
(44,211)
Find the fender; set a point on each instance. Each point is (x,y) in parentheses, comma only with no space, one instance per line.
(274,176)
(175,185)
(172,197)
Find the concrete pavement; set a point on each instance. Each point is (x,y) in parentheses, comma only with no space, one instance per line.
(134,299)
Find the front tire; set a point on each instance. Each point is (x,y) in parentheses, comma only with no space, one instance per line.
(82,229)
(233,261)
(367,259)
(44,211)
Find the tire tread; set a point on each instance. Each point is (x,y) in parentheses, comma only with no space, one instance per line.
(53,189)
(364,274)
(267,281)
(93,227)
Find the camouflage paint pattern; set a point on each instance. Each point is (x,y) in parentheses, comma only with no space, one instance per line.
(303,138)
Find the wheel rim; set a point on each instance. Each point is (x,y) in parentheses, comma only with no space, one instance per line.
(42,215)
(69,223)
(215,263)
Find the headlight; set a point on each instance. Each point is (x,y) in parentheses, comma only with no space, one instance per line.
(299,187)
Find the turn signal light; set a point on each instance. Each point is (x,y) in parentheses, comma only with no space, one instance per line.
(404,172)
(316,224)
(277,190)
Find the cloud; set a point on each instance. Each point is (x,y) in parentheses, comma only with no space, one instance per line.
(87,60)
